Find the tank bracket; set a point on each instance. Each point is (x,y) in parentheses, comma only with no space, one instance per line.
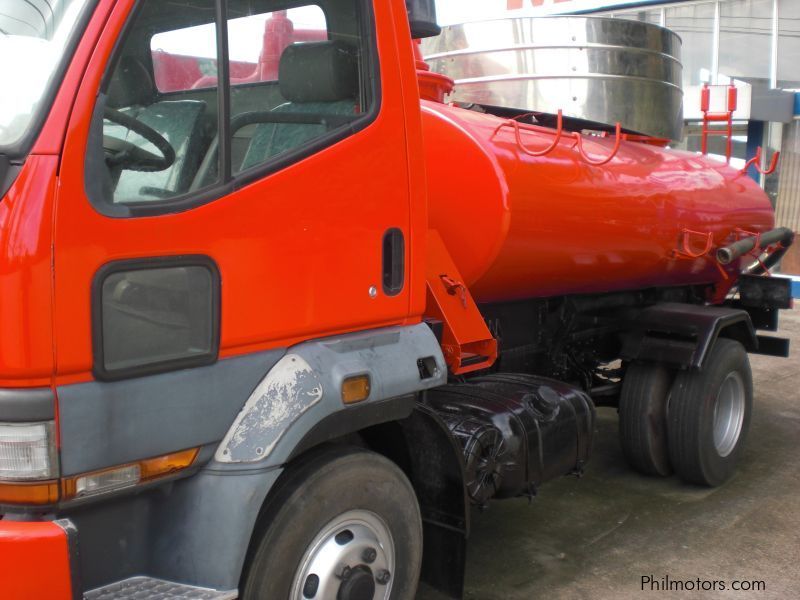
(467,343)
(756,162)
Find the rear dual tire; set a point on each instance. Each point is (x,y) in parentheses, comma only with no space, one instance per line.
(643,418)
(709,415)
(695,425)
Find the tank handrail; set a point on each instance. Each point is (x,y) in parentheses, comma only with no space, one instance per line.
(558,132)
(513,121)
(516,126)
(599,163)
(756,162)
(685,250)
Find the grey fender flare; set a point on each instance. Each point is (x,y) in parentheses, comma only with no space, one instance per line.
(208,519)
(304,389)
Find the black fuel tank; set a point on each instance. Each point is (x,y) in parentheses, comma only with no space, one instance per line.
(516,431)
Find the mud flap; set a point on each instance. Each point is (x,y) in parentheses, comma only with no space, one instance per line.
(437,474)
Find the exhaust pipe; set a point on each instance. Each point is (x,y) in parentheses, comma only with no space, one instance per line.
(782,235)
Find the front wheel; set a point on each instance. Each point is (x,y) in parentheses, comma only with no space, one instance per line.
(709,415)
(343,525)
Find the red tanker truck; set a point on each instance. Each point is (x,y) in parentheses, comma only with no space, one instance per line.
(277,337)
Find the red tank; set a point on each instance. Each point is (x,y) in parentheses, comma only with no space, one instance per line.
(522,226)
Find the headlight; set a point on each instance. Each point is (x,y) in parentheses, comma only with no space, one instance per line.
(27,451)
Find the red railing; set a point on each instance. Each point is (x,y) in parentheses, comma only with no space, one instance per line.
(559,134)
(756,162)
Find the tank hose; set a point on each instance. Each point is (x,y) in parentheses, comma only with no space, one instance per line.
(762,266)
(781,235)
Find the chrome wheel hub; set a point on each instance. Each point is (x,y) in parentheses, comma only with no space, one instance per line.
(351,558)
(729,413)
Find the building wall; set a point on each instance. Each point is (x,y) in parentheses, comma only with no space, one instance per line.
(788,207)
(754,40)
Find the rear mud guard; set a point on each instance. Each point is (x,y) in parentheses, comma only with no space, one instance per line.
(682,335)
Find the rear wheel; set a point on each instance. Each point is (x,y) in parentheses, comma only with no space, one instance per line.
(344,525)
(643,418)
(709,415)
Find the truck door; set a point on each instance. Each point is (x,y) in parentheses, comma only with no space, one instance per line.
(234,179)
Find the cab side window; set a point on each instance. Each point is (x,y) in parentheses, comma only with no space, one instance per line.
(153,141)
(189,105)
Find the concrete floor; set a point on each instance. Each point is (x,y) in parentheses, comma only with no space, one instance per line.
(597,536)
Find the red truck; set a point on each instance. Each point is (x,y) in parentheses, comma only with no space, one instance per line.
(274,336)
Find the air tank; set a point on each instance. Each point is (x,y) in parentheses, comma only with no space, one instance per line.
(523,226)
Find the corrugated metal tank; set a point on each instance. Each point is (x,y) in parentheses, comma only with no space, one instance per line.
(598,69)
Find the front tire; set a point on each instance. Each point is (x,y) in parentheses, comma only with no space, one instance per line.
(342,525)
(709,415)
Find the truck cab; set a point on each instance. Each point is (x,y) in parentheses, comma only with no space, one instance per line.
(189,189)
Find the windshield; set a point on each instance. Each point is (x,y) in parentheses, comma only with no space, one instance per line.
(34,35)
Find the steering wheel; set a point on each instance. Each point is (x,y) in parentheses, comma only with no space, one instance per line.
(125,154)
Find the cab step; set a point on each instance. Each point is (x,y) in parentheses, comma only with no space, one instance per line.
(150,588)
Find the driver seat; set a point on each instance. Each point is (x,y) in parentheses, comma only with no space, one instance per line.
(316,78)
(180,122)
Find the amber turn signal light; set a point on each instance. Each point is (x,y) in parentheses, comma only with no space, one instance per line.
(122,476)
(355,389)
(40,492)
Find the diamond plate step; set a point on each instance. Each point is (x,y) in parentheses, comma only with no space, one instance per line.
(150,588)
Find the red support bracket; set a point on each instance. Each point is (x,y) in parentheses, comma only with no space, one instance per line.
(757,250)
(467,343)
(756,162)
(685,249)
(601,161)
(515,125)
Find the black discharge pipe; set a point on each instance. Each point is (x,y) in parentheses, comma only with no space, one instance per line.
(781,235)
(762,266)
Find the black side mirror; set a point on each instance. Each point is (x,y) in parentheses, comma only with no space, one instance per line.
(422,18)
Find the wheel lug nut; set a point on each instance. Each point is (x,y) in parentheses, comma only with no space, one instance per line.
(369,555)
(311,586)
(345,573)
(383,577)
